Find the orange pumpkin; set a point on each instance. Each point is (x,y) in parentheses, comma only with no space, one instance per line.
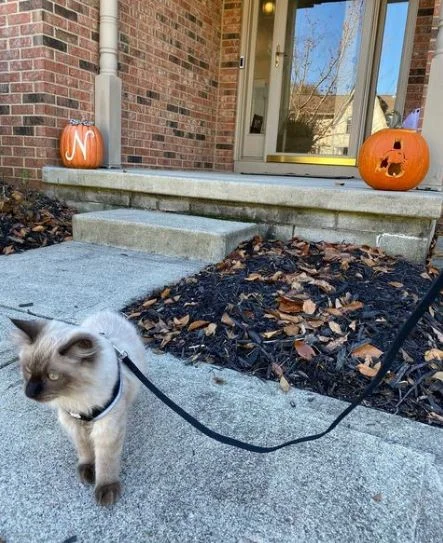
(394,159)
(81,145)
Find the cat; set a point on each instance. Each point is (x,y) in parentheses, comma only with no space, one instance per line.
(76,370)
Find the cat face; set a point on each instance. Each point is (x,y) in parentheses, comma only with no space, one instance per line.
(54,363)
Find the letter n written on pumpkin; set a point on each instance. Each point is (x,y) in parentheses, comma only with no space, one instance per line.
(81,144)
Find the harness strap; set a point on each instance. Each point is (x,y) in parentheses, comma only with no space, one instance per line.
(99,412)
(388,360)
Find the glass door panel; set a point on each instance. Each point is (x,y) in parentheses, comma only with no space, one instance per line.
(322,44)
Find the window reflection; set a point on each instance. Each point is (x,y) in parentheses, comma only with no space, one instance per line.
(323,41)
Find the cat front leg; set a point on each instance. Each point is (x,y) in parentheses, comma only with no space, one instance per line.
(108,437)
(79,433)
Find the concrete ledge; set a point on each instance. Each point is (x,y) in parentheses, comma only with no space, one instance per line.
(162,233)
(298,192)
(402,223)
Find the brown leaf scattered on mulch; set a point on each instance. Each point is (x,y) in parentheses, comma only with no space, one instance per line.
(29,219)
(318,316)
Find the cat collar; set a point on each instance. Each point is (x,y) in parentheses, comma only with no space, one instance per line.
(99,412)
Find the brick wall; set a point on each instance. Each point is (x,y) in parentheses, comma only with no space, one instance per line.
(169,65)
(48,58)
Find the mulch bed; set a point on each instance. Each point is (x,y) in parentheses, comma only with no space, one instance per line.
(317,316)
(29,219)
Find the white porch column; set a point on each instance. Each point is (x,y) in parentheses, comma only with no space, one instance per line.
(433,115)
(108,86)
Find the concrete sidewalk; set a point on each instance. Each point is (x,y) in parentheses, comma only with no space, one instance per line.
(377,478)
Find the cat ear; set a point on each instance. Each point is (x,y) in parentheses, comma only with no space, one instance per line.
(26,332)
(81,346)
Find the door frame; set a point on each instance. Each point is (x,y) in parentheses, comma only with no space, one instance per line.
(279,163)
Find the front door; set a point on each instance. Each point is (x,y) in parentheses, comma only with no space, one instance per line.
(321,75)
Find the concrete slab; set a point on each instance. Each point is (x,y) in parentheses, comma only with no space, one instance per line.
(308,192)
(73,279)
(180,486)
(377,478)
(163,233)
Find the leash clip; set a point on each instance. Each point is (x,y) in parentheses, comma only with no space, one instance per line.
(120,354)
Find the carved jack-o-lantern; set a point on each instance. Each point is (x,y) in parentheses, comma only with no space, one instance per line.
(81,145)
(394,159)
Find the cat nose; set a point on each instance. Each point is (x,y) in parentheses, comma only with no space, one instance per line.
(33,389)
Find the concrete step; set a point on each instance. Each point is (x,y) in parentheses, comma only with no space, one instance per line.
(168,234)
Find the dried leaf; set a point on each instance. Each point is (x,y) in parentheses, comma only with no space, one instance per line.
(309,307)
(165,293)
(182,321)
(367,350)
(323,285)
(254,277)
(289,318)
(291,330)
(335,327)
(333,345)
(150,302)
(277,370)
(367,371)
(226,319)
(353,306)
(134,315)
(271,333)
(395,284)
(38,228)
(304,350)
(290,305)
(315,323)
(435,417)
(433,354)
(167,338)
(210,329)
(334,311)
(369,262)
(196,325)
(438,375)
(284,385)
(148,324)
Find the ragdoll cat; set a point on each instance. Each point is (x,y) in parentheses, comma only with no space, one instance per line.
(76,370)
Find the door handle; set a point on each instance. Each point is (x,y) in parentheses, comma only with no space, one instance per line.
(278,54)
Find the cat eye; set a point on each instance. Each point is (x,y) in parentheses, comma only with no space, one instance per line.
(53,376)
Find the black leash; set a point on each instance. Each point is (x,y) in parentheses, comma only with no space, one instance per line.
(388,360)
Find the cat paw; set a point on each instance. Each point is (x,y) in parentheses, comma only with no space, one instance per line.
(86,473)
(108,494)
